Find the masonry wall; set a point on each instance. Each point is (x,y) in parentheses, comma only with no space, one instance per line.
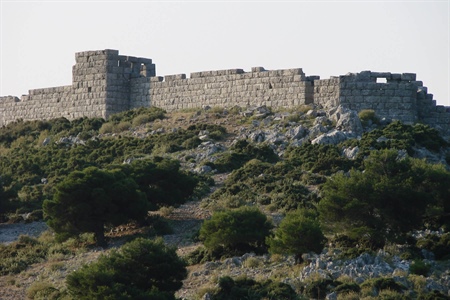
(327,92)
(227,88)
(104,83)
(395,98)
(45,103)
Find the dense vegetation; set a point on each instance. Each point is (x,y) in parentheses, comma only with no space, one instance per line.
(141,269)
(298,233)
(86,176)
(236,232)
(392,197)
(38,155)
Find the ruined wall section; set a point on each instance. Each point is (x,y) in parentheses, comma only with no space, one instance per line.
(48,103)
(437,116)
(393,96)
(227,88)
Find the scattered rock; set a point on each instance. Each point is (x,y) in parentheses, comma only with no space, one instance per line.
(351,153)
(46,141)
(333,137)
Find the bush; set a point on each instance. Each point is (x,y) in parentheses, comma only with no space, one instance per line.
(279,186)
(386,201)
(299,232)
(106,128)
(199,256)
(440,246)
(242,152)
(122,126)
(347,288)
(245,288)
(419,267)
(383,283)
(141,269)
(41,290)
(319,288)
(17,256)
(87,201)
(321,159)
(367,117)
(434,295)
(236,232)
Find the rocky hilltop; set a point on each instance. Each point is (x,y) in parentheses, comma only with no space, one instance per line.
(353,135)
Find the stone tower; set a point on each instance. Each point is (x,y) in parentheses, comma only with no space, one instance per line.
(106,83)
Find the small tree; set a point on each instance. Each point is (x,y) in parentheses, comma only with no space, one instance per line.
(162,181)
(389,199)
(236,231)
(86,201)
(141,269)
(299,232)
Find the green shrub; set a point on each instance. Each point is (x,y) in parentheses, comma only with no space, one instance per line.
(368,116)
(347,288)
(321,159)
(433,295)
(106,128)
(17,256)
(419,267)
(242,152)
(159,224)
(152,113)
(236,232)
(41,290)
(191,143)
(245,288)
(89,200)
(141,269)
(122,126)
(298,233)
(391,195)
(279,186)
(199,256)
(140,119)
(383,283)
(319,288)
(439,245)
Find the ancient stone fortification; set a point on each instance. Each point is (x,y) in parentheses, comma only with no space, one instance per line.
(105,83)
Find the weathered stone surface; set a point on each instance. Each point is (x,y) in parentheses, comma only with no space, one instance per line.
(333,137)
(104,83)
(351,153)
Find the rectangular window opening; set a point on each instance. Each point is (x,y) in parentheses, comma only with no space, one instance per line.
(381,80)
(89,89)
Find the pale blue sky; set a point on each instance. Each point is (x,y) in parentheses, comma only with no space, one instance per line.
(326,38)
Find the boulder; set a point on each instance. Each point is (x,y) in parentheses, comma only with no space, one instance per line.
(296,133)
(333,137)
(46,141)
(351,153)
(346,120)
(317,130)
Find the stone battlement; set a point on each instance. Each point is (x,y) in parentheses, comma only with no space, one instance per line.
(104,83)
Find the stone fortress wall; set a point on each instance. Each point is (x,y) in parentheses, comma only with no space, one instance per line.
(104,83)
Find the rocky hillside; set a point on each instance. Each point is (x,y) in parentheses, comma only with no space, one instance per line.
(294,152)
